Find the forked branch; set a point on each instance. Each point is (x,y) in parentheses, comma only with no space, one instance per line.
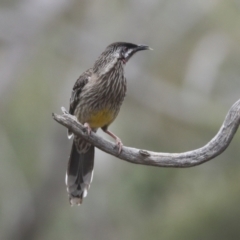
(178,160)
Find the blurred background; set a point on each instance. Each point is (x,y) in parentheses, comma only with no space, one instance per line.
(178,96)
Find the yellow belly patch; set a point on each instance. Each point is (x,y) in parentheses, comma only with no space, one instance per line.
(101,118)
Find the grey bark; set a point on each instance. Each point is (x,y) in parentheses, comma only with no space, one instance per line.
(177,160)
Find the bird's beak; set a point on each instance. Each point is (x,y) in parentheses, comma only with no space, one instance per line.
(142,47)
(132,51)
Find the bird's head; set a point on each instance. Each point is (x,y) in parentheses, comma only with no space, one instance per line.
(118,52)
(124,51)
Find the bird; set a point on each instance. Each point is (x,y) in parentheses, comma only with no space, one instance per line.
(95,101)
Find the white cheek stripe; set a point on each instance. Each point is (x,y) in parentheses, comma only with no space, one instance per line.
(127,53)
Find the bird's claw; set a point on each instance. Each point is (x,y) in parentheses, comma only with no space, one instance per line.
(119,144)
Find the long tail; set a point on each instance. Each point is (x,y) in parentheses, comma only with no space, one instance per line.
(79,174)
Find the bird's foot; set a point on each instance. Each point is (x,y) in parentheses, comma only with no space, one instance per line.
(88,128)
(117,139)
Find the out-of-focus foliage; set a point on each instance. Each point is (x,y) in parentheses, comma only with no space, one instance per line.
(177,98)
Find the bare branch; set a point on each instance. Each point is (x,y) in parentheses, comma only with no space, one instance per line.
(178,160)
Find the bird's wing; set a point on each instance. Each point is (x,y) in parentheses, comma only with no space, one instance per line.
(76,92)
(77,89)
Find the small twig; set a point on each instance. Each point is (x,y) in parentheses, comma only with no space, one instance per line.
(178,160)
